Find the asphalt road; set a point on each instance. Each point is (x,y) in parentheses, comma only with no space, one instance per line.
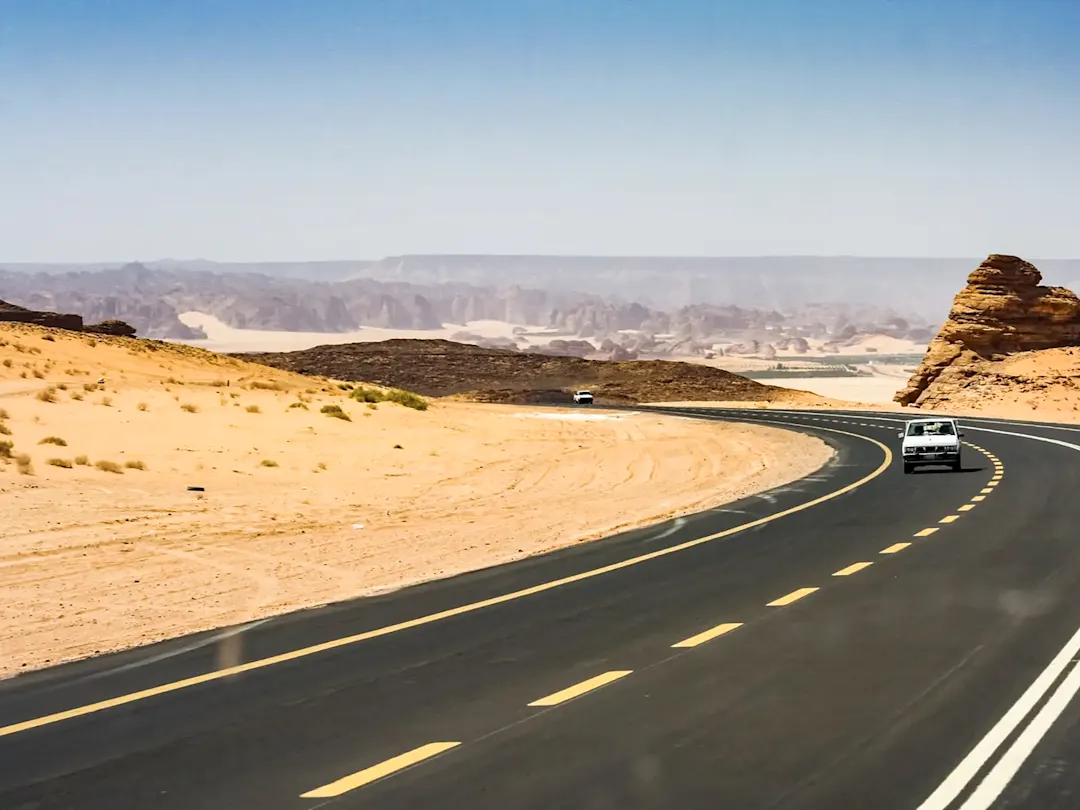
(860,639)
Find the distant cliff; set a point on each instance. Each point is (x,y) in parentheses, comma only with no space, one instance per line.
(152,300)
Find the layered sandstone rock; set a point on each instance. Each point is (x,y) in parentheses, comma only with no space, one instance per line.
(1002,310)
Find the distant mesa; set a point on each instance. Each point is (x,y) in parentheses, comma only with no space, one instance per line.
(12,313)
(1003,310)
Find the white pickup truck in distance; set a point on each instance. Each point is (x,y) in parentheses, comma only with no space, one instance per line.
(931,441)
(583,397)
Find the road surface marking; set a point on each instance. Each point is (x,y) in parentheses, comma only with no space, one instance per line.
(895,547)
(967,507)
(303,652)
(969,766)
(854,568)
(926,532)
(995,782)
(985,491)
(996,477)
(794,596)
(949,519)
(979,498)
(708,635)
(581,688)
(992,484)
(385,768)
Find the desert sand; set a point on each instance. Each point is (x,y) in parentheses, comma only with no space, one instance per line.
(104,547)
(1036,385)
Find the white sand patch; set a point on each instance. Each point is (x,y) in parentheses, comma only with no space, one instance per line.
(221,337)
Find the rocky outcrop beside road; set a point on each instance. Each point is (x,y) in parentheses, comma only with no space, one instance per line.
(1003,310)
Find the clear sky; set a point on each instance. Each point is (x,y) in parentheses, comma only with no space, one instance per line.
(312,129)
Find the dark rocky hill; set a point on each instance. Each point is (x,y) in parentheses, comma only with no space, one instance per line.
(444,368)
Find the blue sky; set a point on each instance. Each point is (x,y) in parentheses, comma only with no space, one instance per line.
(281,129)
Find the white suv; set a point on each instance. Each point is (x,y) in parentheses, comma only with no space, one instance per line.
(931,441)
(583,397)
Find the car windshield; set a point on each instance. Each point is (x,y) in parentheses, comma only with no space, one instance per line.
(931,429)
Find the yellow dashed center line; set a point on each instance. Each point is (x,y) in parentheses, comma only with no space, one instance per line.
(794,596)
(854,568)
(985,491)
(949,519)
(581,688)
(993,484)
(926,532)
(895,547)
(385,768)
(979,498)
(708,635)
(967,507)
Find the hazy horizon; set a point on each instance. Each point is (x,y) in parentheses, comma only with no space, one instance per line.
(283,131)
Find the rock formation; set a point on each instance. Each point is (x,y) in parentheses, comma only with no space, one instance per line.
(59,320)
(1002,310)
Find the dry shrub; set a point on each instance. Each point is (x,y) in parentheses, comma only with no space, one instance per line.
(47,394)
(335,411)
(135,465)
(109,466)
(53,440)
(187,407)
(59,462)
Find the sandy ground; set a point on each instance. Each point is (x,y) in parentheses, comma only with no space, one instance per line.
(1037,385)
(876,390)
(300,508)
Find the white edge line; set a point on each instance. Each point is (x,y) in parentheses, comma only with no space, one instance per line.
(969,766)
(1014,757)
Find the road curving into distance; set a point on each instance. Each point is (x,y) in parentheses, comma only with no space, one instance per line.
(858,639)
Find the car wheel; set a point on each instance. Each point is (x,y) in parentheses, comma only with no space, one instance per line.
(957,466)
(909,469)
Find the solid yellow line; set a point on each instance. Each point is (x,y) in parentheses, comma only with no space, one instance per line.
(794,596)
(895,547)
(854,568)
(581,688)
(967,507)
(361,778)
(333,644)
(979,498)
(949,519)
(708,635)
(926,532)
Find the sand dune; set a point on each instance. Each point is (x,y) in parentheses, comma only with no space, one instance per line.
(111,549)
